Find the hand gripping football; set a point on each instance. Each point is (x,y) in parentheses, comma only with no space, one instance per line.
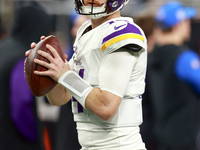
(40,85)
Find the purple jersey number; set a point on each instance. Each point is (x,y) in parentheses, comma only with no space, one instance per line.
(80,107)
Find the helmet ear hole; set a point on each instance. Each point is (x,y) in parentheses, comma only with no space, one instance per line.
(113,4)
(116,4)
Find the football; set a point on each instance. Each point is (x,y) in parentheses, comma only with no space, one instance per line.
(40,85)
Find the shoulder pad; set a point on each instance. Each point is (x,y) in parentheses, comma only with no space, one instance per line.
(122,32)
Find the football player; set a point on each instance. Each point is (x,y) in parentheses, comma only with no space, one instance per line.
(105,77)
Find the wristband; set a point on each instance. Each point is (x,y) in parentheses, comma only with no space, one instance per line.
(77,87)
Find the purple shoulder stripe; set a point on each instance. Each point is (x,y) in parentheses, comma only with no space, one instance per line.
(128,29)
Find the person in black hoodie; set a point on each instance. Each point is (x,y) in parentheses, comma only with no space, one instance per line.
(3,32)
(173,82)
(20,128)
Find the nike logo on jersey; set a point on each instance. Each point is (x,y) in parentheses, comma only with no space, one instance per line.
(117,27)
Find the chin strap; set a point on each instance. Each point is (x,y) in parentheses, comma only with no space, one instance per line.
(94,10)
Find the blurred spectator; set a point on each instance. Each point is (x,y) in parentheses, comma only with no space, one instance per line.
(66,133)
(173,82)
(75,21)
(20,128)
(3,32)
(78,21)
(148,25)
(194,42)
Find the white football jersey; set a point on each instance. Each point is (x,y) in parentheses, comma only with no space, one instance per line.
(90,49)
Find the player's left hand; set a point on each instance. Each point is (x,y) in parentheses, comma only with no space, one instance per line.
(33,44)
(56,67)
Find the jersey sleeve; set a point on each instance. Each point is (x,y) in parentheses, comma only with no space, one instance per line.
(115,72)
(121,33)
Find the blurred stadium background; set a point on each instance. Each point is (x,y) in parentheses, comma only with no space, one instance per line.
(63,9)
(63,13)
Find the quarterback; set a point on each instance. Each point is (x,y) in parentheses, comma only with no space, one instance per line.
(105,77)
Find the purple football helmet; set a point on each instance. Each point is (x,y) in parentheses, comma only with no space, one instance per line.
(107,8)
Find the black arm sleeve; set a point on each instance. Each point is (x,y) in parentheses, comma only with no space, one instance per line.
(133,47)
